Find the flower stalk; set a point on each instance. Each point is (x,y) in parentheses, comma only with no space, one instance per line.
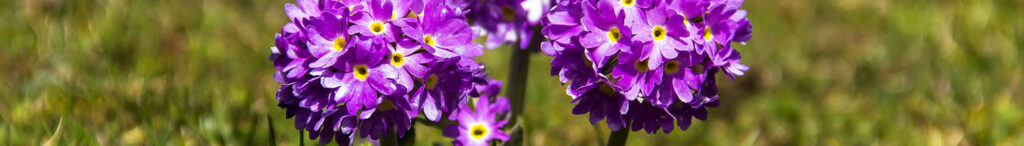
(518,72)
(618,137)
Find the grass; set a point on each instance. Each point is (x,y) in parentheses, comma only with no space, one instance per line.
(195,72)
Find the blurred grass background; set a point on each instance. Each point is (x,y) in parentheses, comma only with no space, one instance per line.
(837,72)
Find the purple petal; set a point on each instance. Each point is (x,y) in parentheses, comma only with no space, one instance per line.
(594,39)
(430,110)
(294,12)
(327,60)
(451,131)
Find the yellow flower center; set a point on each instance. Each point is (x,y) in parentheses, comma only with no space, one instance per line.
(339,43)
(377,27)
(686,21)
(671,67)
(707,34)
(427,39)
(508,13)
(614,35)
(397,59)
(658,33)
(360,72)
(478,131)
(641,66)
(430,82)
(628,2)
(386,105)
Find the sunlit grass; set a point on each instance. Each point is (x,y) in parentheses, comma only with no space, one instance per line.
(847,72)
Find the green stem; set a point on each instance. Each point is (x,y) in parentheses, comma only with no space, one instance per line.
(618,138)
(516,83)
(518,67)
(518,71)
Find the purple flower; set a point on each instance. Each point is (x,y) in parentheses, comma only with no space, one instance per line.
(313,96)
(375,21)
(608,33)
(679,81)
(290,55)
(489,87)
(632,9)
(503,20)
(685,113)
(689,9)
(635,78)
(721,23)
(656,67)
(650,118)
(728,59)
(602,101)
(309,104)
(479,127)
(334,123)
(574,67)
(303,11)
(562,26)
(662,34)
(368,67)
(359,86)
(443,89)
(390,113)
(410,65)
(405,7)
(708,90)
(289,101)
(572,63)
(440,32)
(329,39)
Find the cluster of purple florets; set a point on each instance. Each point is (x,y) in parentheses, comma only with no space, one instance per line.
(367,68)
(644,63)
(504,21)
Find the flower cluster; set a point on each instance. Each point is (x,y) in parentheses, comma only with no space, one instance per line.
(504,21)
(644,63)
(367,68)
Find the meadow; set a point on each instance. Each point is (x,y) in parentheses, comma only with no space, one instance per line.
(823,72)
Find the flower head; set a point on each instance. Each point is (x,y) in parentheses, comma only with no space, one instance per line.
(480,126)
(645,63)
(503,21)
(367,68)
